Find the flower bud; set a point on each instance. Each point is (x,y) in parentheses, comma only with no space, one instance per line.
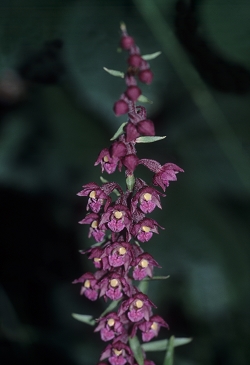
(127,42)
(118,149)
(133,92)
(120,107)
(146,128)
(134,60)
(130,162)
(146,76)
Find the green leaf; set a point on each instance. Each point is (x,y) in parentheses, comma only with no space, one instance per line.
(114,72)
(85,318)
(137,350)
(143,99)
(149,139)
(112,306)
(161,345)
(119,131)
(148,57)
(169,357)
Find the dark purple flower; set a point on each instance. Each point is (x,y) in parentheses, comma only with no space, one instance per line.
(94,230)
(89,287)
(143,266)
(119,254)
(107,162)
(167,173)
(110,326)
(96,196)
(116,217)
(148,198)
(151,328)
(137,307)
(96,254)
(113,286)
(118,354)
(163,174)
(144,229)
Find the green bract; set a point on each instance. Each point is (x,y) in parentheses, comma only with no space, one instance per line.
(114,72)
(137,350)
(162,345)
(119,131)
(148,57)
(149,139)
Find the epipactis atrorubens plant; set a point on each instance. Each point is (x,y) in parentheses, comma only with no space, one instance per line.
(119,226)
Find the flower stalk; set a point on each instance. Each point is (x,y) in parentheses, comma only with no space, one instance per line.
(118,221)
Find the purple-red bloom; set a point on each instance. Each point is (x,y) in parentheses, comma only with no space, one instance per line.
(116,218)
(119,254)
(107,162)
(113,286)
(118,354)
(148,198)
(95,230)
(144,229)
(167,173)
(89,287)
(137,307)
(110,326)
(143,266)
(151,328)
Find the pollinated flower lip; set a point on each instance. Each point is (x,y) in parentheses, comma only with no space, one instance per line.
(118,221)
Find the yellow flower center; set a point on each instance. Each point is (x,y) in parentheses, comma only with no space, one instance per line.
(146,229)
(97,259)
(87,284)
(111,322)
(147,196)
(106,159)
(117,352)
(118,214)
(114,283)
(154,326)
(143,263)
(94,224)
(92,194)
(138,303)
(122,250)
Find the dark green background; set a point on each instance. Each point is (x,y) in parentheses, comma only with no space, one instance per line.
(51,134)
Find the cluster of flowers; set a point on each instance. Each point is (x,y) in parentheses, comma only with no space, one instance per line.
(119,225)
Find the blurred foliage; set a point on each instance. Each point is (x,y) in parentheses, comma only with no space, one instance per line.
(56,115)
